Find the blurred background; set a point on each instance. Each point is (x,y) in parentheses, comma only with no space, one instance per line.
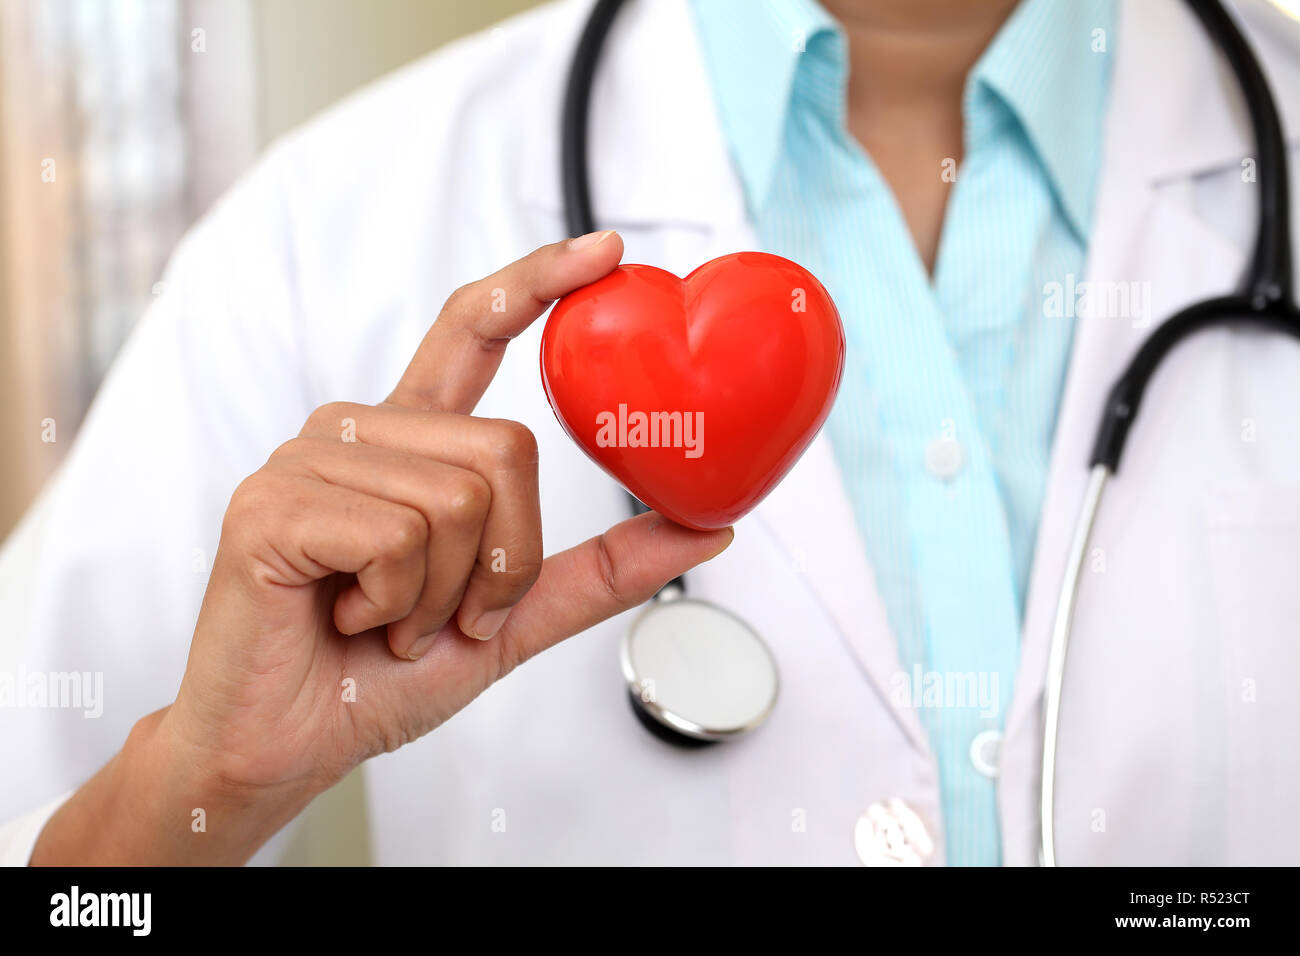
(120,122)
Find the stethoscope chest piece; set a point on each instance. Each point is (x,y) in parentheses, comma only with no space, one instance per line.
(696,673)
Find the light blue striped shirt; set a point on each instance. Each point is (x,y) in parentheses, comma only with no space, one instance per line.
(944,423)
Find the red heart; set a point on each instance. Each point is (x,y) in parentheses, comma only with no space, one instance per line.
(734,369)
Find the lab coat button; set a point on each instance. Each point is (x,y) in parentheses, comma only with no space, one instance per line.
(891,835)
(944,458)
(985,749)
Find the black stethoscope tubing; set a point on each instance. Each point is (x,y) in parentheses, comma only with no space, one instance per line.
(578,214)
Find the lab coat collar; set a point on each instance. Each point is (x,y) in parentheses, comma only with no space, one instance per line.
(1184,93)
(656,153)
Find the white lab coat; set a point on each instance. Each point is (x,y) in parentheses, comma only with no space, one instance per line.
(317,276)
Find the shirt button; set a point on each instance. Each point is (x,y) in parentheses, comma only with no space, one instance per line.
(944,458)
(985,750)
(891,835)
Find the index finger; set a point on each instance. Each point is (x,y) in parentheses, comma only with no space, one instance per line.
(463,348)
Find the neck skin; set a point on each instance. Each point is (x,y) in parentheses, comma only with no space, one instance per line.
(908,61)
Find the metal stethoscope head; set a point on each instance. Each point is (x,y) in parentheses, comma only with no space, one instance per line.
(696,673)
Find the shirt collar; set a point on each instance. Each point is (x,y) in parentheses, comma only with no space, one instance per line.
(753,50)
(1044,68)
(1049,66)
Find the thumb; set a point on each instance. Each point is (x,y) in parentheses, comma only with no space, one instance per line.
(604,576)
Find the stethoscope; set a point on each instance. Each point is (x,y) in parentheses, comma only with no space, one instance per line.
(698,674)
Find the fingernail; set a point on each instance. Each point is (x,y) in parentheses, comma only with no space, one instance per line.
(489,623)
(589,240)
(421,646)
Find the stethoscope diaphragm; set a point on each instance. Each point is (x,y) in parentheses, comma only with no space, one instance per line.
(696,673)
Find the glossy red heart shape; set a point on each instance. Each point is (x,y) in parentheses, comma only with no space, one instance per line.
(697,394)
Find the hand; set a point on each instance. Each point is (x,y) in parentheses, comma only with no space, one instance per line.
(354,564)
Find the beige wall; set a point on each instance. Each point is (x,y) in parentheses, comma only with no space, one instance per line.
(296,58)
(14,483)
(311,52)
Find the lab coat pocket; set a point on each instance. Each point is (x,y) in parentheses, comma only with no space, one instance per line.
(1253,554)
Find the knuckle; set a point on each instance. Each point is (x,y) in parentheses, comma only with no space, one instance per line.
(508,586)
(525,575)
(293,448)
(254,506)
(466,306)
(519,566)
(248,498)
(330,416)
(297,456)
(467,500)
(340,409)
(461,299)
(511,445)
(407,532)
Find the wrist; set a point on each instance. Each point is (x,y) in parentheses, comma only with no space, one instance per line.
(161,801)
(209,817)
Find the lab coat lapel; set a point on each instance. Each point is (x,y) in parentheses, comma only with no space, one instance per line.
(1165,124)
(810,517)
